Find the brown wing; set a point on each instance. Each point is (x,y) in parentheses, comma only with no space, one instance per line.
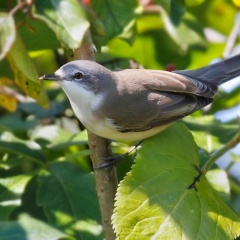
(145,99)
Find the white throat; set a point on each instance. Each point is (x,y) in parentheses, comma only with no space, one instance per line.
(84,103)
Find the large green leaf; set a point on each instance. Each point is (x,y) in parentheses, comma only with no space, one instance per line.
(16,123)
(29,149)
(7,100)
(58,138)
(174,8)
(118,17)
(219,180)
(25,73)
(7,33)
(37,35)
(155,200)
(209,133)
(211,13)
(188,33)
(66,18)
(143,50)
(203,58)
(146,47)
(28,228)
(11,190)
(225,100)
(55,109)
(153,47)
(69,199)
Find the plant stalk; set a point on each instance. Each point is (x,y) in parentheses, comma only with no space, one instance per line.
(232,143)
(106,179)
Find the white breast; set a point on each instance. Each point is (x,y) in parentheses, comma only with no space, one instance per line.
(83,102)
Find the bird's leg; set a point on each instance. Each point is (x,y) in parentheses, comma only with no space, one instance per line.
(112,160)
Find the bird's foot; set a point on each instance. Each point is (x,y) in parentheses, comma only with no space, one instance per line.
(113,160)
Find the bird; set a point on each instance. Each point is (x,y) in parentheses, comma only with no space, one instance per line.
(134,104)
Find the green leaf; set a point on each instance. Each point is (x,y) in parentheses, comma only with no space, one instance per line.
(225,100)
(29,149)
(177,10)
(188,33)
(144,56)
(7,100)
(25,73)
(28,228)
(69,199)
(36,35)
(55,109)
(7,33)
(66,18)
(209,133)
(154,200)
(15,123)
(11,190)
(166,4)
(203,58)
(219,180)
(211,13)
(58,138)
(174,8)
(9,161)
(194,2)
(146,48)
(118,17)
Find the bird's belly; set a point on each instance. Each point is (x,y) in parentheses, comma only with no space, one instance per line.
(111,133)
(103,128)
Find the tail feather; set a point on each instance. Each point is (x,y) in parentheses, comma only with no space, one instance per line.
(216,73)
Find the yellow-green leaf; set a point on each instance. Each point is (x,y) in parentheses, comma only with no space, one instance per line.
(7,33)
(11,190)
(157,199)
(25,73)
(66,18)
(7,101)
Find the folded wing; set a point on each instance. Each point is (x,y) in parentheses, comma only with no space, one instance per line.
(162,97)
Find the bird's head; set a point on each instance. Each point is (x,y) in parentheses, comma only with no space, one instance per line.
(81,78)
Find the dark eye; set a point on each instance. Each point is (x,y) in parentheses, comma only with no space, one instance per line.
(78,75)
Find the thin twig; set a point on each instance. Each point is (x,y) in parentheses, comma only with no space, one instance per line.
(20,5)
(106,179)
(232,143)
(232,37)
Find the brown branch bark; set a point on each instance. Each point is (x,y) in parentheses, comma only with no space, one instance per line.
(106,179)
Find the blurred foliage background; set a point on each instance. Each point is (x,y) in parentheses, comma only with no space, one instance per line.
(44,156)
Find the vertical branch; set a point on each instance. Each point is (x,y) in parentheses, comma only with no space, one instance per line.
(106,179)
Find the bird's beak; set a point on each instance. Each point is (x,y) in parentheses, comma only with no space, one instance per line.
(50,77)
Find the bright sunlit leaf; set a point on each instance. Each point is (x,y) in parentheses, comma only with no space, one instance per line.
(118,18)
(11,190)
(69,199)
(66,18)
(25,73)
(155,200)
(29,228)
(7,100)
(7,33)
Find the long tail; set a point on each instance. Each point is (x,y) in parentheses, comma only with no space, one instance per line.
(216,73)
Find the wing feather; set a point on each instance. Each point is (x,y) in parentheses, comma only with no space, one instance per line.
(162,97)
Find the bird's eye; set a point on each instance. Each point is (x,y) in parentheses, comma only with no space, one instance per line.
(78,75)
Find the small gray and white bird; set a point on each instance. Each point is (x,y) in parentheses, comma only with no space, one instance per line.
(134,104)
